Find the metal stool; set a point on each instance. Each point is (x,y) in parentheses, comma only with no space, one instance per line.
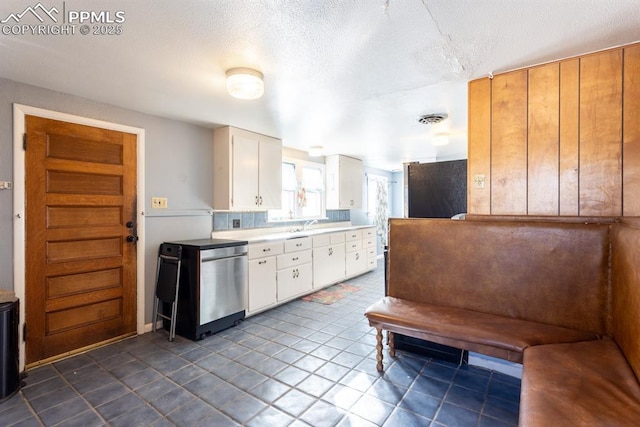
(167,284)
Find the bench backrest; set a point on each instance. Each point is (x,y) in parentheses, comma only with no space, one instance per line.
(625,290)
(554,273)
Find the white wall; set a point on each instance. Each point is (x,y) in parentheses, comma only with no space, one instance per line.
(177,166)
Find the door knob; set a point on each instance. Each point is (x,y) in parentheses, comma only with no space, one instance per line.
(132,239)
(129,224)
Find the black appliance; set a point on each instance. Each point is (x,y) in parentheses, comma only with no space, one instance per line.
(213,286)
(9,356)
(435,190)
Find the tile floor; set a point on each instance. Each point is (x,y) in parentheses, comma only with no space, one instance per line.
(301,364)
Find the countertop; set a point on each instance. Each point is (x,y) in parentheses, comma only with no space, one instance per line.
(256,235)
(210,243)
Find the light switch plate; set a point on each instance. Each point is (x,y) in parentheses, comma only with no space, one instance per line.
(478,180)
(159,202)
(6,185)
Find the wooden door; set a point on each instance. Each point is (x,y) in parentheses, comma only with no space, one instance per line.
(80,209)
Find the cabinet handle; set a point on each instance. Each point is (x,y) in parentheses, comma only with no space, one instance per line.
(354,246)
(295,258)
(296,273)
(357,257)
(260,200)
(257,204)
(330,251)
(262,262)
(266,250)
(298,245)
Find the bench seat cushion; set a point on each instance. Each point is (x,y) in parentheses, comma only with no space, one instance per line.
(578,384)
(497,336)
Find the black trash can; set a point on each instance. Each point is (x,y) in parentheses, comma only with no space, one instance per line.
(9,359)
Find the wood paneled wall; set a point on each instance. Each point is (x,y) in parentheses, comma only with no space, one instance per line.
(559,139)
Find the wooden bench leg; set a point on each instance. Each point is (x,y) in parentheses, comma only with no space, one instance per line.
(392,347)
(379,349)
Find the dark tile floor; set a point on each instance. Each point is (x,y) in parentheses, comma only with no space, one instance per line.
(301,364)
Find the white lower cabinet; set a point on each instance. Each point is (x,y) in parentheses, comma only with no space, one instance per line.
(281,270)
(356,262)
(263,289)
(295,275)
(294,281)
(328,259)
(262,283)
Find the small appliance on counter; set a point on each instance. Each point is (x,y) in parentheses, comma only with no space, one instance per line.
(213,286)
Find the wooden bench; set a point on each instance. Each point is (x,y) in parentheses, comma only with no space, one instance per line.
(560,297)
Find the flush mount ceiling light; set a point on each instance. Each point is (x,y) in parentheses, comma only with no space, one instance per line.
(315,151)
(432,119)
(245,83)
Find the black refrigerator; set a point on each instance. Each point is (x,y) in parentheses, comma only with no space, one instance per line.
(435,190)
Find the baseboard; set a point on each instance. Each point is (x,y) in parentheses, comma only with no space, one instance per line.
(148,327)
(495,364)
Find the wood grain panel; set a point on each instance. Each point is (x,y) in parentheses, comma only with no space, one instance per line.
(81,280)
(509,144)
(479,146)
(569,137)
(72,148)
(601,134)
(543,143)
(79,216)
(631,129)
(84,249)
(82,316)
(61,286)
(83,183)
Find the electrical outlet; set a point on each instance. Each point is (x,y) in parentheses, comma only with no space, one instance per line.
(159,202)
(6,185)
(478,180)
(236,223)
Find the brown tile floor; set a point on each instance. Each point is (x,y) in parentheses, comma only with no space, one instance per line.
(301,364)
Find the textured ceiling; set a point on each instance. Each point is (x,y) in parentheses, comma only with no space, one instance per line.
(350,75)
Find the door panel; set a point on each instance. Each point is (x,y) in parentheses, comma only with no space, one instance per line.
(81,274)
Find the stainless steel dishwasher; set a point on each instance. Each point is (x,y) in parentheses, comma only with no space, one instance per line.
(213,286)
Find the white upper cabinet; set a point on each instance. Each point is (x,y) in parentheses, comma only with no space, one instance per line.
(344,182)
(247,170)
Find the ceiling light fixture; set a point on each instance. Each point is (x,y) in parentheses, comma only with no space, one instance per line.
(432,119)
(315,151)
(245,83)
(440,139)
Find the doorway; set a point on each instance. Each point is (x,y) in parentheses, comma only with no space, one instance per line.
(83,283)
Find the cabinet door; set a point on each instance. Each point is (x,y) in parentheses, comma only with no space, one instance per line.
(351,176)
(294,281)
(356,262)
(328,265)
(270,171)
(262,283)
(245,163)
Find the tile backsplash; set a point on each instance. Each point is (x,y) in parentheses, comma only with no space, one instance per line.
(224,220)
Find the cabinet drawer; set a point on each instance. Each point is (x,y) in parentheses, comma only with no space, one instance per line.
(368,233)
(369,242)
(337,238)
(259,250)
(371,253)
(321,240)
(353,235)
(372,263)
(292,259)
(354,246)
(299,244)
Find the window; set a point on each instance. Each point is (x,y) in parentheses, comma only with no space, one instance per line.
(302,191)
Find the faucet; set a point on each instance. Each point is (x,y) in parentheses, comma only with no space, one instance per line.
(309,224)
